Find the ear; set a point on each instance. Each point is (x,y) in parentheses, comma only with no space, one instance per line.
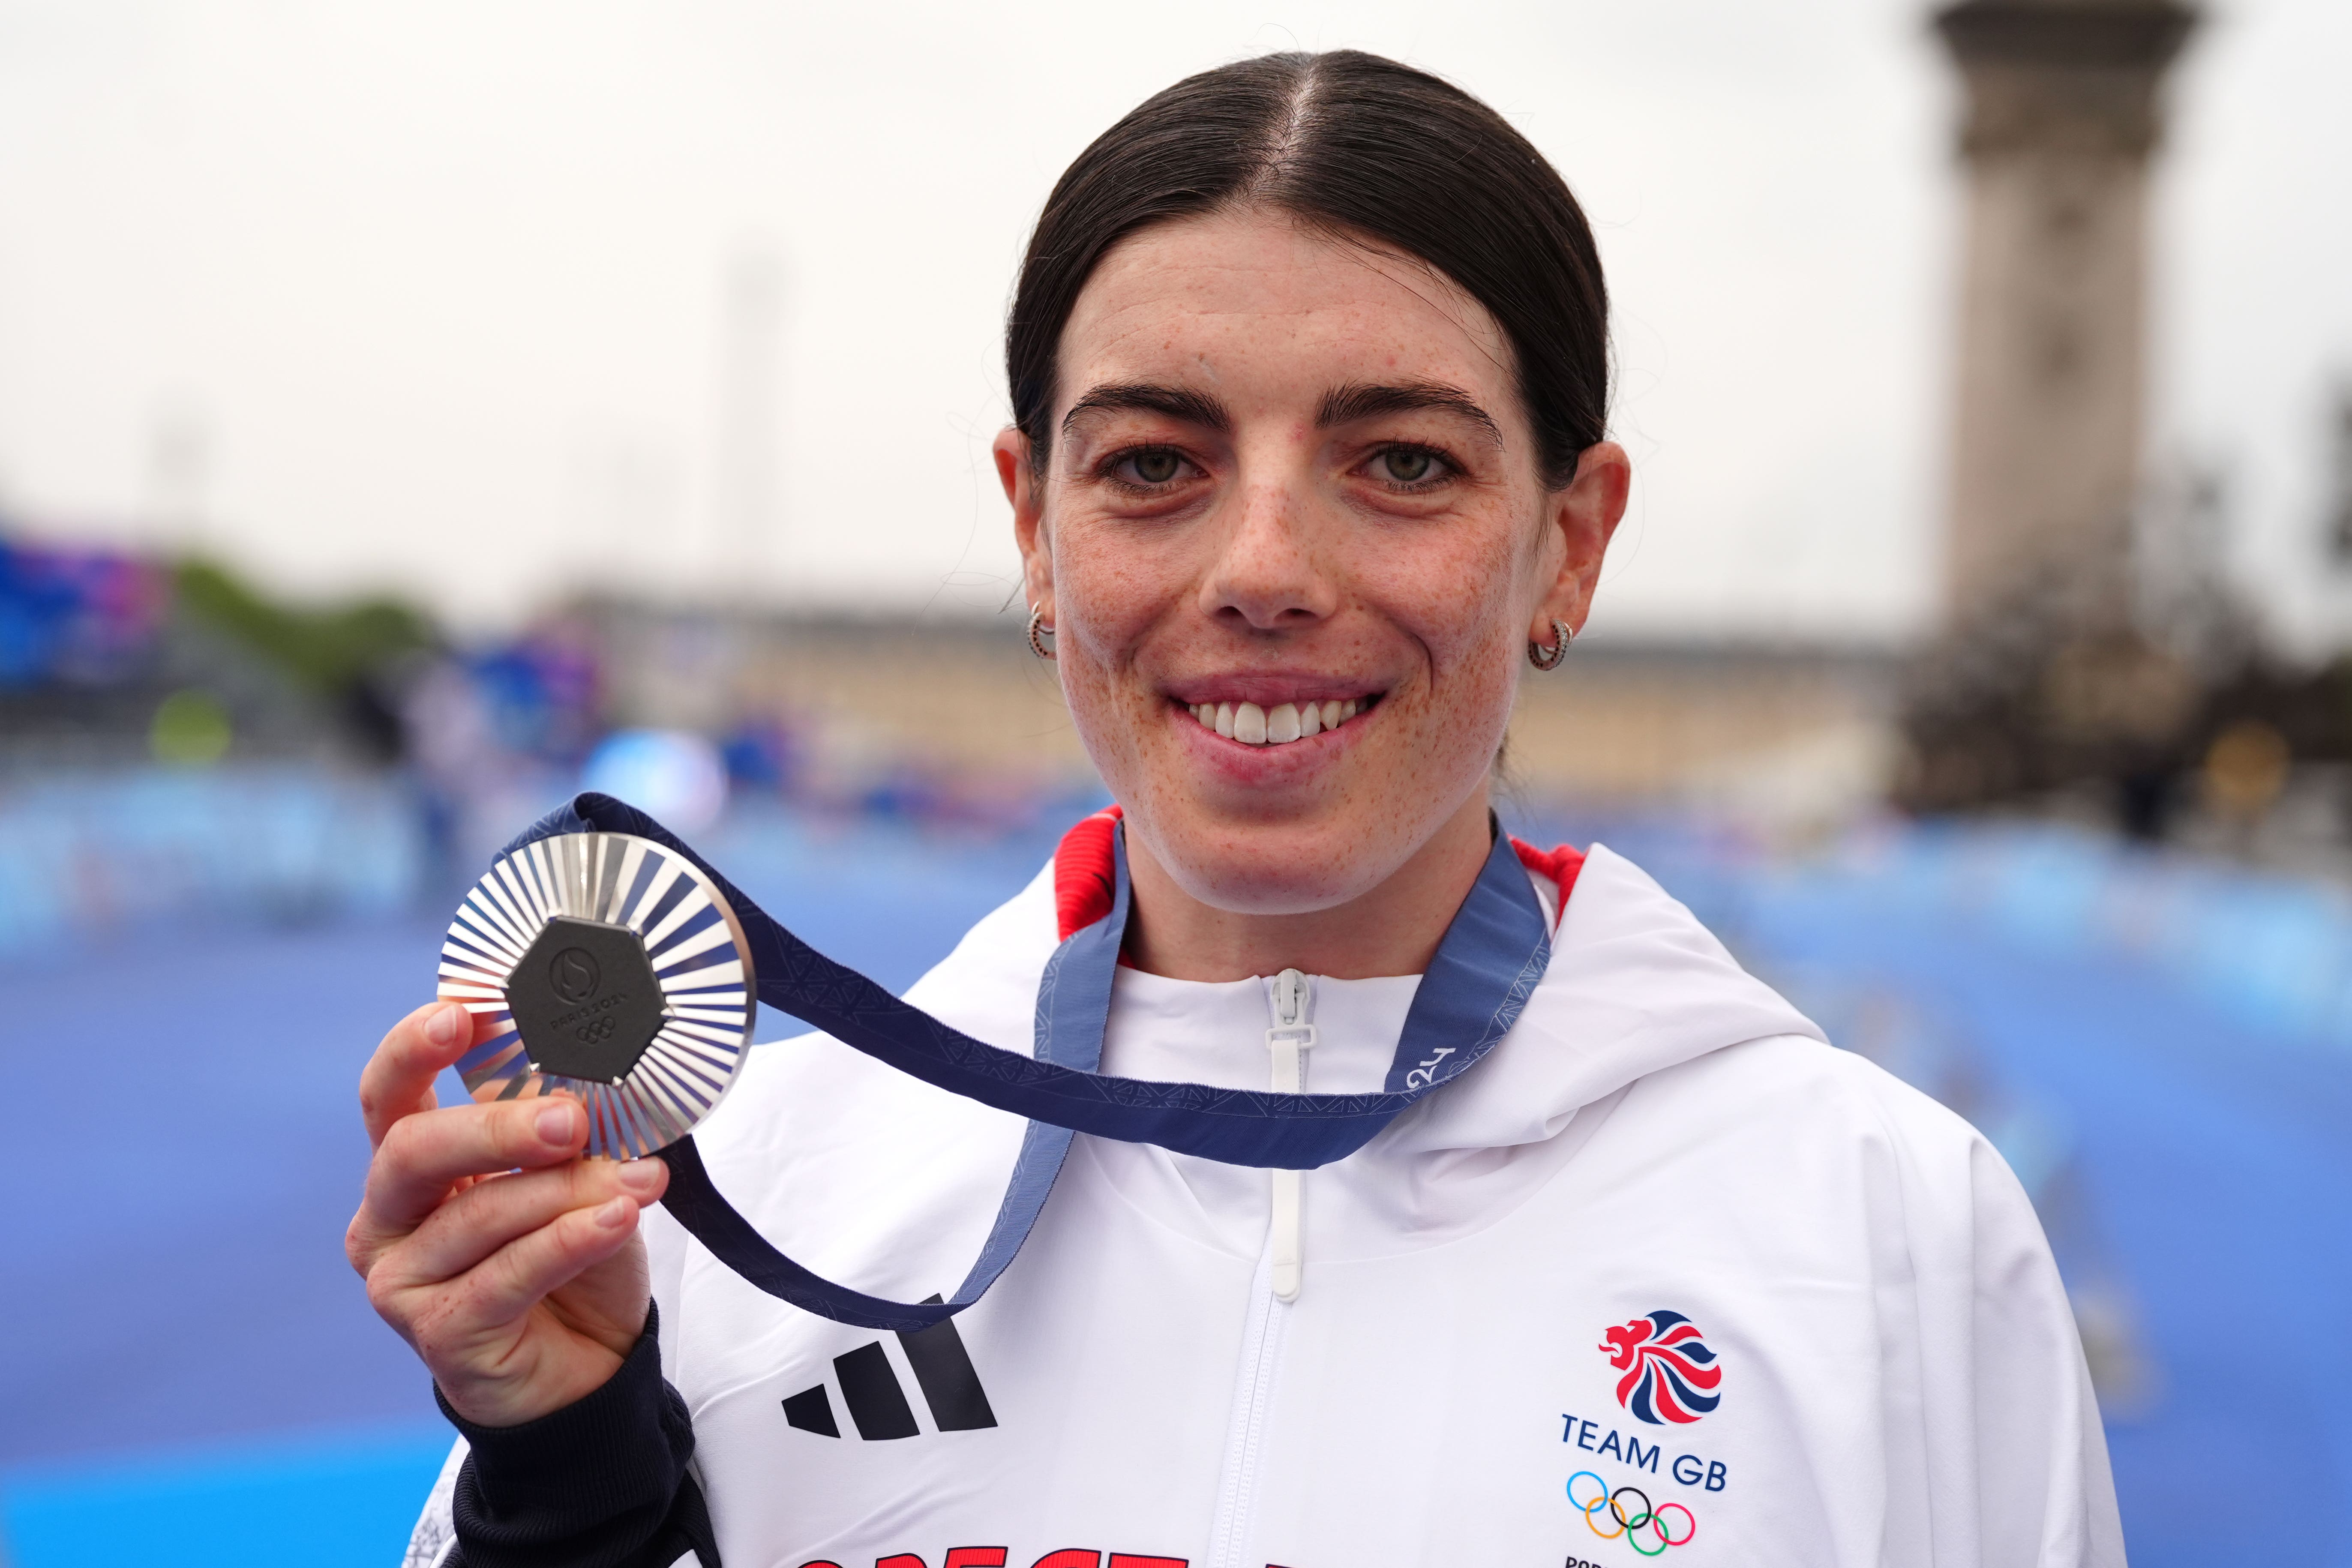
(1022,489)
(1581,520)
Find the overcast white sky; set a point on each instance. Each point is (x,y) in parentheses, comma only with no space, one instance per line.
(428,295)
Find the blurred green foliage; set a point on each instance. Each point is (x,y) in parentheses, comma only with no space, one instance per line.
(329,650)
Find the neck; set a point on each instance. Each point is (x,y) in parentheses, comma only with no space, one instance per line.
(1393,929)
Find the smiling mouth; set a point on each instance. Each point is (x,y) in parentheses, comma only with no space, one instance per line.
(1281,724)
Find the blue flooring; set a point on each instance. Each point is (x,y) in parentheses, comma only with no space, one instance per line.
(195,1376)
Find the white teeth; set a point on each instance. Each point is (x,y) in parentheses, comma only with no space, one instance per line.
(1284,722)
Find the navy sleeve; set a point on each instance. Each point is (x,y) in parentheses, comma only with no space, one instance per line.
(601,1483)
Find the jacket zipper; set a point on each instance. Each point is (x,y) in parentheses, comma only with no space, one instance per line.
(1272,1290)
(1246,1435)
(1288,1041)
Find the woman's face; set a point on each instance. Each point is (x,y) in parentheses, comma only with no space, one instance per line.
(1292,542)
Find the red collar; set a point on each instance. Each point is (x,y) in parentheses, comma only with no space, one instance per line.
(1082,870)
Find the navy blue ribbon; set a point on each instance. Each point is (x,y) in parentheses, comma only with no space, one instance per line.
(1489,960)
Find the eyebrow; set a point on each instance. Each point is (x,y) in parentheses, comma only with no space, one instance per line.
(1345,405)
(1176,402)
(1341,406)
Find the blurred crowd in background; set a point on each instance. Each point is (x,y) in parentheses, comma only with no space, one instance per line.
(175,743)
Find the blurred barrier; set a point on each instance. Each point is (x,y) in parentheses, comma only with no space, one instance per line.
(2271,951)
(82,853)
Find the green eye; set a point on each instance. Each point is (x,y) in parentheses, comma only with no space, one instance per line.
(1155,467)
(1408,464)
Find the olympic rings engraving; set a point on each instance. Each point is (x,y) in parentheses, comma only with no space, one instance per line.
(1636,1524)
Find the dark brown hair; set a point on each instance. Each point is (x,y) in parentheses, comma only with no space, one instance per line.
(1367,148)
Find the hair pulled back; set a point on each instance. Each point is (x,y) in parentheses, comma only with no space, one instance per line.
(1363,146)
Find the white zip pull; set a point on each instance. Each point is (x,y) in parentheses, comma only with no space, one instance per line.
(1288,1041)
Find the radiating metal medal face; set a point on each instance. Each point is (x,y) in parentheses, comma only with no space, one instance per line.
(610,968)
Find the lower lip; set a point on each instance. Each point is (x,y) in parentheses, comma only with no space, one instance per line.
(1281,764)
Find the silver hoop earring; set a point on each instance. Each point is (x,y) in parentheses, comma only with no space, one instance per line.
(1037,643)
(1544,658)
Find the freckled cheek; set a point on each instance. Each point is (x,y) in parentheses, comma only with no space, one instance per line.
(1466,618)
(1111,601)
(1108,604)
(1462,625)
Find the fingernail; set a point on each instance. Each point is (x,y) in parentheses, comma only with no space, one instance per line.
(641,1175)
(443,1027)
(614,1214)
(558,1123)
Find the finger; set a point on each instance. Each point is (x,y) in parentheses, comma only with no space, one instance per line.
(423,1156)
(489,1214)
(398,1079)
(518,1276)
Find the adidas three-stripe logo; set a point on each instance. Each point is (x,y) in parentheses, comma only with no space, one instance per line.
(942,1369)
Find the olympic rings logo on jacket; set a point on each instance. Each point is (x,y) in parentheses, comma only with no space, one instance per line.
(1635,1524)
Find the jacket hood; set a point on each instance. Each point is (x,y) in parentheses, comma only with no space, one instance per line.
(1636,985)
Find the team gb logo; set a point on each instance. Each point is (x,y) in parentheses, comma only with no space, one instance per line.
(1670,1373)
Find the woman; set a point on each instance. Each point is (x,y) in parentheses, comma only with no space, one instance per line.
(1309,373)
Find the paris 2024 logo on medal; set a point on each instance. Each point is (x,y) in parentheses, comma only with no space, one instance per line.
(1670,1373)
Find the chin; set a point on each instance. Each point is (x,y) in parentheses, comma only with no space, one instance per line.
(1284,867)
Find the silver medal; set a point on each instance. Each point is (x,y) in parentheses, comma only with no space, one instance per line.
(610,969)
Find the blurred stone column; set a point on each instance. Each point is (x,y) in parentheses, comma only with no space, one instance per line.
(2062,115)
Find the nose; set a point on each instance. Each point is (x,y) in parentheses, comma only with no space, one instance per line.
(1269,576)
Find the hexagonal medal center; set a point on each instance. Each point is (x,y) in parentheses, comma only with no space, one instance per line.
(586,999)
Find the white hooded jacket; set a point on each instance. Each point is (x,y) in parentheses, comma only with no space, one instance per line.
(1665,1275)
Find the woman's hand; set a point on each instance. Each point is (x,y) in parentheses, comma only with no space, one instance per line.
(512,1267)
